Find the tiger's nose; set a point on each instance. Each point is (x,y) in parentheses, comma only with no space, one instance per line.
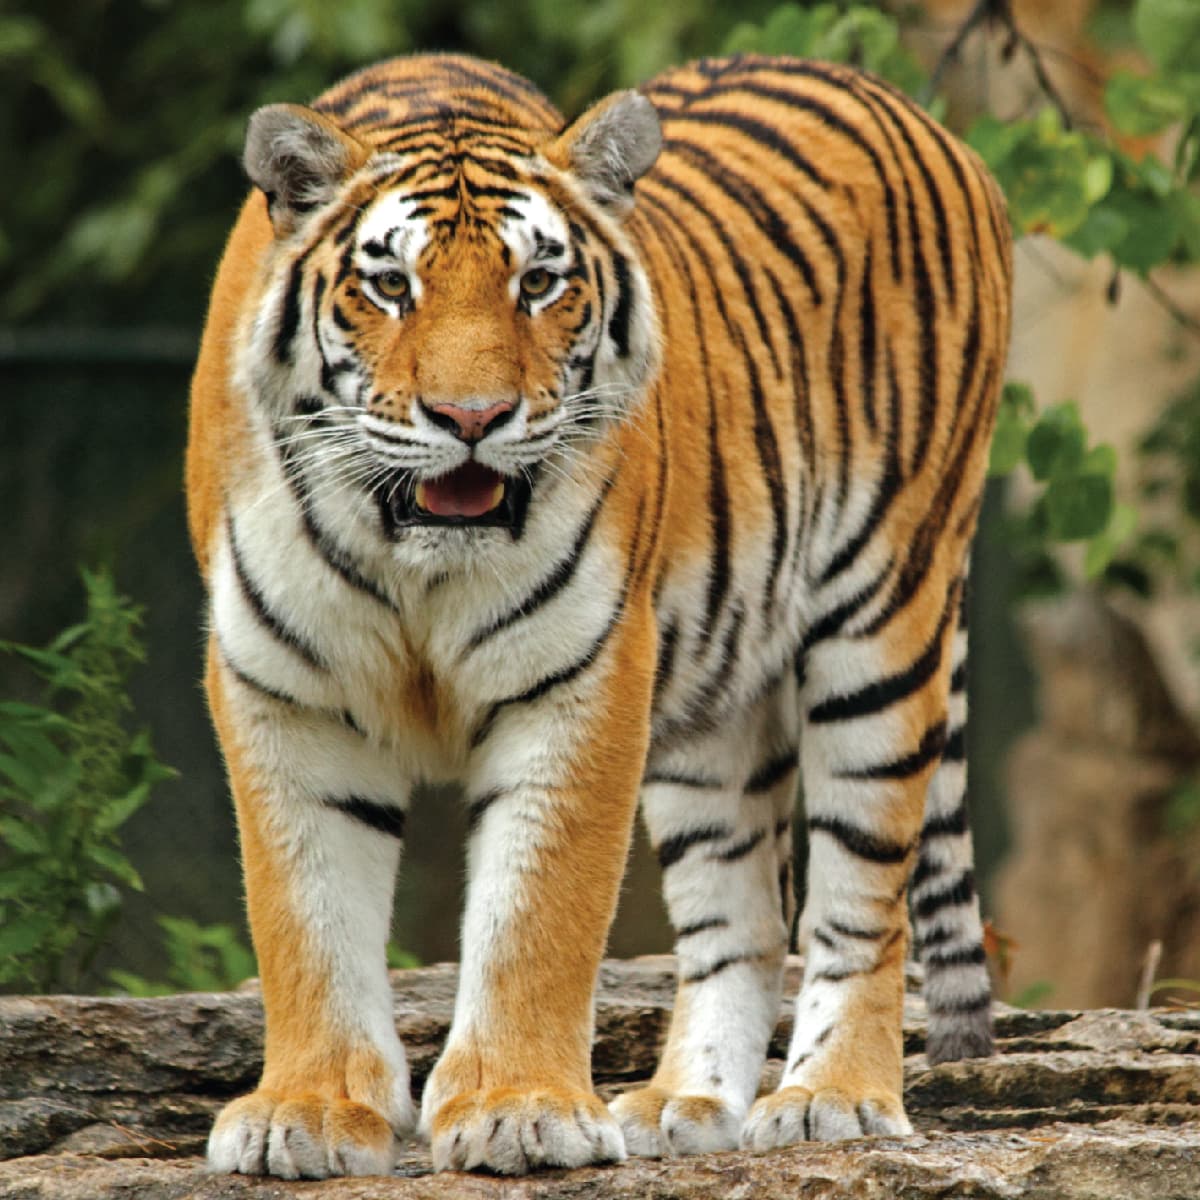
(469,424)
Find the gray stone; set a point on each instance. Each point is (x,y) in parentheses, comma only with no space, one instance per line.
(105,1098)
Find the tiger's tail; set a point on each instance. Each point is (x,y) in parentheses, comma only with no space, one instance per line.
(947,928)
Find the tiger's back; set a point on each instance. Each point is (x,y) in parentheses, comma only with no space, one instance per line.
(726,432)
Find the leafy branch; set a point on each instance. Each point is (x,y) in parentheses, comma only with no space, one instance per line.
(71,775)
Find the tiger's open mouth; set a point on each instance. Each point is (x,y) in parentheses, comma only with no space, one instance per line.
(470,495)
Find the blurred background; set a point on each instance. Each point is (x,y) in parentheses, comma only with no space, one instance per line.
(120,130)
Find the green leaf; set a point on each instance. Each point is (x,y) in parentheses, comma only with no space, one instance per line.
(994,140)
(116,864)
(1008,445)
(24,838)
(114,813)
(1078,506)
(1102,229)
(1056,443)
(22,883)
(1141,105)
(1018,398)
(1169,31)
(1101,460)
(135,985)
(24,933)
(1103,548)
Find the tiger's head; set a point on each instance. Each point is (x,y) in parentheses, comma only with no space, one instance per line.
(450,311)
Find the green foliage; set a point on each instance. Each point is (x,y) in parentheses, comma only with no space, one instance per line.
(857,33)
(211,958)
(71,774)
(201,958)
(1182,813)
(1087,190)
(1075,501)
(124,123)
(1033,995)
(399,959)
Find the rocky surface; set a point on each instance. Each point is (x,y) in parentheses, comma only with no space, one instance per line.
(112,1098)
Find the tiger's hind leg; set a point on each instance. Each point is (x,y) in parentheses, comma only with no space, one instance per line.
(945,905)
(875,726)
(718,811)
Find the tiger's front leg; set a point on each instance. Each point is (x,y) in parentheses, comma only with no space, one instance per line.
(554,784)
(320,820)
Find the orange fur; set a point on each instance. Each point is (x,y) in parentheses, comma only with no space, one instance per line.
(771,400)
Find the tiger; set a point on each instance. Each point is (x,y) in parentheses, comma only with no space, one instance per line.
(627,463)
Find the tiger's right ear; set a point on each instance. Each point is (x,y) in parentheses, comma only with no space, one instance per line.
(298,157)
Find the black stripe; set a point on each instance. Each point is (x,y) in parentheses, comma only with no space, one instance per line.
(969,956)
(886,491)
(716,968)
(771,772)
(859,842)
(740,849)
(839,974)
(681,779)
(956,746)
(672,849)
(572,670)
(882,694)
(289,315)
(853,931)
(890,102)
(763,215)
(256,685)
(933,937)
(383,818)
(831,623)
(977,1003)
(479,806)
(718,509)
(701,926)
(668,644)
(866,341)
(266,617)
(713,688)
(618,325)
(334,556)
(765,133)
(558,578)
(767,447)
(734,256)
(958,680)
(961,891)
(933,742)
(952,824)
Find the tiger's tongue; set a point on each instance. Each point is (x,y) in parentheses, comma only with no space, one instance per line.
(469,491)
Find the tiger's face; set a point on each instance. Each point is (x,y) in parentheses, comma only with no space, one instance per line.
(447,328)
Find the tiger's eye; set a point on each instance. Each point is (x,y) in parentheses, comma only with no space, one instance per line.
(392,284)
(536,282)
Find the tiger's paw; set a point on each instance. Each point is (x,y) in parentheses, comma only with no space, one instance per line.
(795,1114)
(657,1123)
(512,1131)
(300,1137)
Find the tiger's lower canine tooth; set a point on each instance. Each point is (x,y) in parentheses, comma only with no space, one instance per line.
(422,492)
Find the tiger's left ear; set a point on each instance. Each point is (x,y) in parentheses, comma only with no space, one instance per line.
(610,147)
